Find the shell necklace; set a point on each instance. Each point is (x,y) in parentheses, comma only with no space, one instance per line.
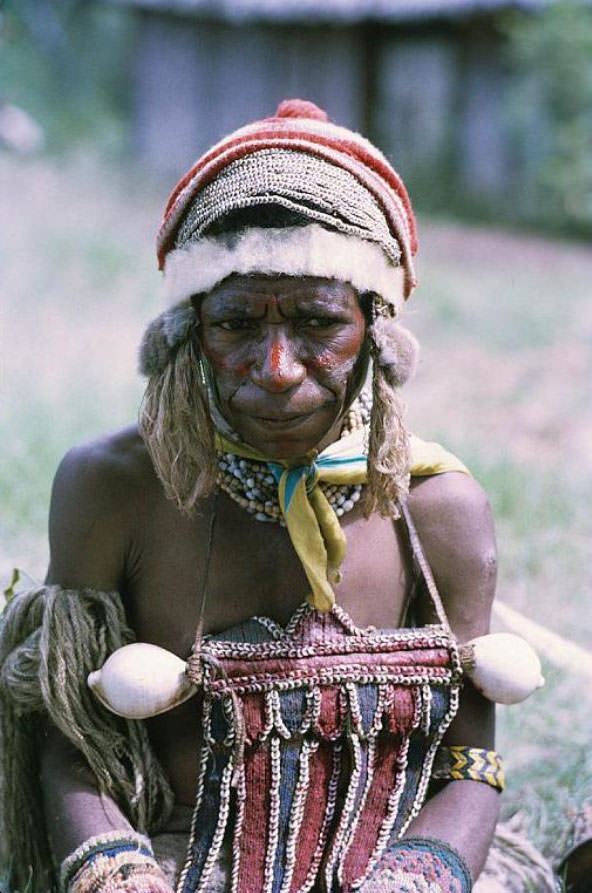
(252,486)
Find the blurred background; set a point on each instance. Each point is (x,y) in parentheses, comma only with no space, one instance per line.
(485,108)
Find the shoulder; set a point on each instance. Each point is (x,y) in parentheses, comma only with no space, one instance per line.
(98,491)
(452,505)
(96,467)
(454,521)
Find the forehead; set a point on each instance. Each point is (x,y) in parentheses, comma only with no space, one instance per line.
(247,293)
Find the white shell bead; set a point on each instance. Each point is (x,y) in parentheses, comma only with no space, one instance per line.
(141,680)
(502,666)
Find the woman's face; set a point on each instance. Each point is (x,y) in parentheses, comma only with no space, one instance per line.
(286,355)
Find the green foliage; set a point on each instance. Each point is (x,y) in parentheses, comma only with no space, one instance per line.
(550,56)
(65,63)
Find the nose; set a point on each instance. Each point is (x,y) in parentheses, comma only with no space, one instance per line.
(278,367)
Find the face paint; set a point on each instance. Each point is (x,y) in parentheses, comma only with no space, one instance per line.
(276,358)
(284,354)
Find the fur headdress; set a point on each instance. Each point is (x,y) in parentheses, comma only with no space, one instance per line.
(345,214)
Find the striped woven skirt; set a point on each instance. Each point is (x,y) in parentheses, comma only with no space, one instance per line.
(318,743)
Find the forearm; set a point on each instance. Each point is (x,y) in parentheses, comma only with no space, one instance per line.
(463,814)
(92,841)
(75,809)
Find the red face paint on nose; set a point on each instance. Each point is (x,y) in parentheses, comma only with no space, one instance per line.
(276,358)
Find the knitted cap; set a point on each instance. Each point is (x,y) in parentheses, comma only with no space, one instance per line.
(362,227)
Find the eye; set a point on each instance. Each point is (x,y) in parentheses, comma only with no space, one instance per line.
(319,322)
(236,325)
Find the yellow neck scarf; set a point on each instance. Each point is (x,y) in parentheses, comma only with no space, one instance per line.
(312,525)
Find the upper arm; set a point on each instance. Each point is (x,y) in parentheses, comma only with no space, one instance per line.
(455,525)
(93,503)
(88,530)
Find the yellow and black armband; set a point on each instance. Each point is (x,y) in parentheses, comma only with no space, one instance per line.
(473,763)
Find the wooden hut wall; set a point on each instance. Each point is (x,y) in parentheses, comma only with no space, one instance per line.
(415,107)
(441,115)
(195,81)
(433,96)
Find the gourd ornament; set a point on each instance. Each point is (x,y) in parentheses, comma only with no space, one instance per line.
(502,666)
(141,680)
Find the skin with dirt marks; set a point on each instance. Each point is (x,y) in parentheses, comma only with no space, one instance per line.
(286,355)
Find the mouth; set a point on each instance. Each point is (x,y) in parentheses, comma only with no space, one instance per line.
(283,423)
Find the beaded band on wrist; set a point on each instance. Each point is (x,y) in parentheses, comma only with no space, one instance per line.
(473,763)
(110,862)
(417,864)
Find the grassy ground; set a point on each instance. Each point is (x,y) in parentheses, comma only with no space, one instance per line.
(505,321)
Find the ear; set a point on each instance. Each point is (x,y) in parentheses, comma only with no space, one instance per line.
(395,350)
(163,336)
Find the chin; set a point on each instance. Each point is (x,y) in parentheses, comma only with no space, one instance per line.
(281,450)
(287,439)
(290,444)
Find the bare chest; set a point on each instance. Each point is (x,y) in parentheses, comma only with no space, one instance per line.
(248,568)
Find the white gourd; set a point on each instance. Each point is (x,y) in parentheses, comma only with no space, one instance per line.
(502,666)
(141,680)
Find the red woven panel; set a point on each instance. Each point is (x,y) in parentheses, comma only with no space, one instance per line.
(401,712)
(254,715)
(331,715)
(267,670)
(253,841)
(315,808)
(374,812)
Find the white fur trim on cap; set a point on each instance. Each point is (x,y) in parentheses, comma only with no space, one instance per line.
(291,251)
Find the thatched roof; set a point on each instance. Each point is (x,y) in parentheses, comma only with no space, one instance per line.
(337,11)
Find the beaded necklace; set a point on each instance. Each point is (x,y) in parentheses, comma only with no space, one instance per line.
(252,485)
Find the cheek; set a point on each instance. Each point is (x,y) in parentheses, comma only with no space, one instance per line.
(226,364)
(337,359)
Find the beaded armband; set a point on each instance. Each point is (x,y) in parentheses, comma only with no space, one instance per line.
(474,763)
(113,863)
(418,865)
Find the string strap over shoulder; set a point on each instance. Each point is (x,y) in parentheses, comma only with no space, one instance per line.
(422,564)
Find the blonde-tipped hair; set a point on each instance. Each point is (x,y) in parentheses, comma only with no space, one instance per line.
(177,428)
(387,481)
